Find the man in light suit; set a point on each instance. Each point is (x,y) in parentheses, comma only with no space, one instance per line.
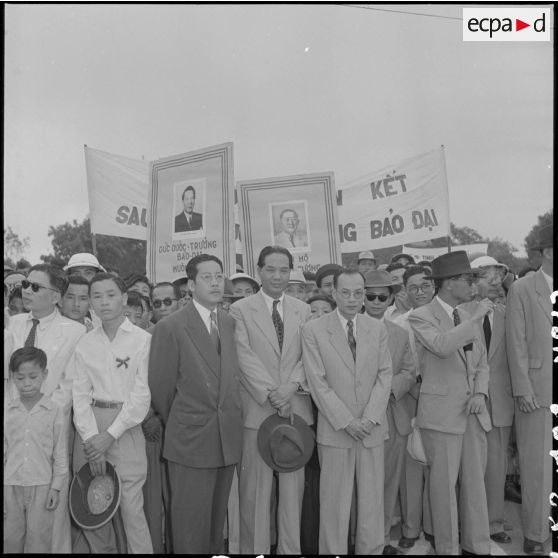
(44,327)
(188,220)
(452,413)
(267,330)
(193,378)
(290,237)
(348,368)
(529,343)
(500,400)
(380,291)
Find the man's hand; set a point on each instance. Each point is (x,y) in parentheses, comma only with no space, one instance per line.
(286,412)
(282,395)
(527,403)
(483,307)
(367,425)
(98,466)
(476,404)
(53,497)
(97,445)
(355,430)
(152,428)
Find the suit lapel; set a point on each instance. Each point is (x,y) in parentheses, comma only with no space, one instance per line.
(338,338)
(291,319)
(498,330)
(362,344)
(262,318)
(543,294)
(226,336)
(197,331)
(446,323)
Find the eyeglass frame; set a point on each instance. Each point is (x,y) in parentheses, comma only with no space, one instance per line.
(167,301)
(208,277)
(354,294)
(414,289)
(376,296)
(35,287)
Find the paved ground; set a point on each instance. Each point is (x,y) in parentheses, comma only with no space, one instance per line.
(515,548)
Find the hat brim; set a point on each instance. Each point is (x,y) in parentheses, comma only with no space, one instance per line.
(97,267)
(471,270)
(79,510)
(395,288)
(264,433)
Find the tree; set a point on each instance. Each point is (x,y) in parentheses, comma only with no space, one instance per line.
(126,255)
(14,247)
(543,220)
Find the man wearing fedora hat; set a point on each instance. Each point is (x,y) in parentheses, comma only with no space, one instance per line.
(348,367)
(529,343)
(379,294)
(452,413)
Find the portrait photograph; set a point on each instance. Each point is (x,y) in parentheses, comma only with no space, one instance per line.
(189,209)
(289,225)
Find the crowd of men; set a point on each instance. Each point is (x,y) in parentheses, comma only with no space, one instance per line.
(206,394)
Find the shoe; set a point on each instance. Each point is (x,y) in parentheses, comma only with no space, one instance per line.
(532,547)
(508,526)
(512,491)
(501,537)
(388,549)
(406,542)
(467,553)
(430,539)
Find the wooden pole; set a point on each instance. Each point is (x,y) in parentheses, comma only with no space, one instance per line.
(94,243)
(447,186)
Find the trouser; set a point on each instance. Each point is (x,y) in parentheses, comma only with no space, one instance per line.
(233,517)
(412,501)
(128,456)
(27,522)
(534,443)
(495,477)
(449,457)
(255,495)
(198,507)
(340,468)
(153,495)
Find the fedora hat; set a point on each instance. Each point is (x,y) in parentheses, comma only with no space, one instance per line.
(544,239)
(452,264)
(94,500)
(381,278)
(285,447)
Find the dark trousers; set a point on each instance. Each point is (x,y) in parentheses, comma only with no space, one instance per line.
(199,500)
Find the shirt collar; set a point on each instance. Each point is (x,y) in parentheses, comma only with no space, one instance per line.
(46,320)
(126,325)
(44,401)
(344,320)
(269,301)
(445,306)
(203,311)
(549,279)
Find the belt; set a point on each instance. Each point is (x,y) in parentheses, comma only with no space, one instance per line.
(106,404)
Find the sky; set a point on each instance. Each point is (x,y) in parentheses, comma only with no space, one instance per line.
(297,89)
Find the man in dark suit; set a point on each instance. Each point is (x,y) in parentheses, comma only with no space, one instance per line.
(194,382)
(188,220)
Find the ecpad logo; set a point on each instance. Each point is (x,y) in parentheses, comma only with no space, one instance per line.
(506,24)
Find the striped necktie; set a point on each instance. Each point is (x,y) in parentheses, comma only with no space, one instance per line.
(278,324)
(214,333)
(351,338)
(457,321)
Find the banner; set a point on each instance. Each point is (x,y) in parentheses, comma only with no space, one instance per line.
(297,212)
(428,254)
(117,188)
(191,211)
(402,203)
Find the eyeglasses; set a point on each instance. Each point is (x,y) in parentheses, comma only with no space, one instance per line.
(35,287)
(468,278)
(208,277)
(380,297)
(347,294)
(414,289)
(166,301)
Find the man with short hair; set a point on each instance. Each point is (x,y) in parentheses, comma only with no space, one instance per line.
(529,345)
(404,259)
(269,344)
(164,298)
(366,262)
(452,413)
(348,367)
(84,264)
(75,302)
(324,278)
(290,237)
(401,304)
(380,291)
(139,283)
(188,220)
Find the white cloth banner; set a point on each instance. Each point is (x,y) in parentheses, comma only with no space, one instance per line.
(402,203)
(118,190)
(428,254)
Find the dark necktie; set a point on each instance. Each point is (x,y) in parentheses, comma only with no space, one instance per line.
(214,333)
(351,338)
(278,324)
(30,341)
(457,321)
(487,331)
(291,238)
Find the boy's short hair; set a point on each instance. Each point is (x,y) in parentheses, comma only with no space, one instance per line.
(28,354)
(75,280)
(134,300)
(134,278)
(415,270)
(102,276)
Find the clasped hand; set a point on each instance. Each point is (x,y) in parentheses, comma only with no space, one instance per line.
(359,428)
(280,396)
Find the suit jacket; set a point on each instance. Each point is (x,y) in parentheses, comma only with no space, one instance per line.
(58,341)
(181,223)
(300,240)
(528,336)
(450,376)
(501,404)
(263,366)
(194,391)
(342,388)
(403,379)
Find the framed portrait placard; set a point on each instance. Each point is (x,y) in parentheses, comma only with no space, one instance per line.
(191,211)
(297,212)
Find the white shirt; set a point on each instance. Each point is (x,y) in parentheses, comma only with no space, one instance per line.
(344,322)
(446,307)
(97,374)
(269,303)
(205,315)
(44,324)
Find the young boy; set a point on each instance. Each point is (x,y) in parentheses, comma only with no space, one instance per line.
(35,457)
(75,302)
(111,399)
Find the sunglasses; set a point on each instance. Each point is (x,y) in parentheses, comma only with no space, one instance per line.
(373,297)
(35,287)
(166,301)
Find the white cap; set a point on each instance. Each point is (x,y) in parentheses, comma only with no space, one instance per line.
(366,256)
(486,261)
(245,277)
(297,276)
(84,259)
